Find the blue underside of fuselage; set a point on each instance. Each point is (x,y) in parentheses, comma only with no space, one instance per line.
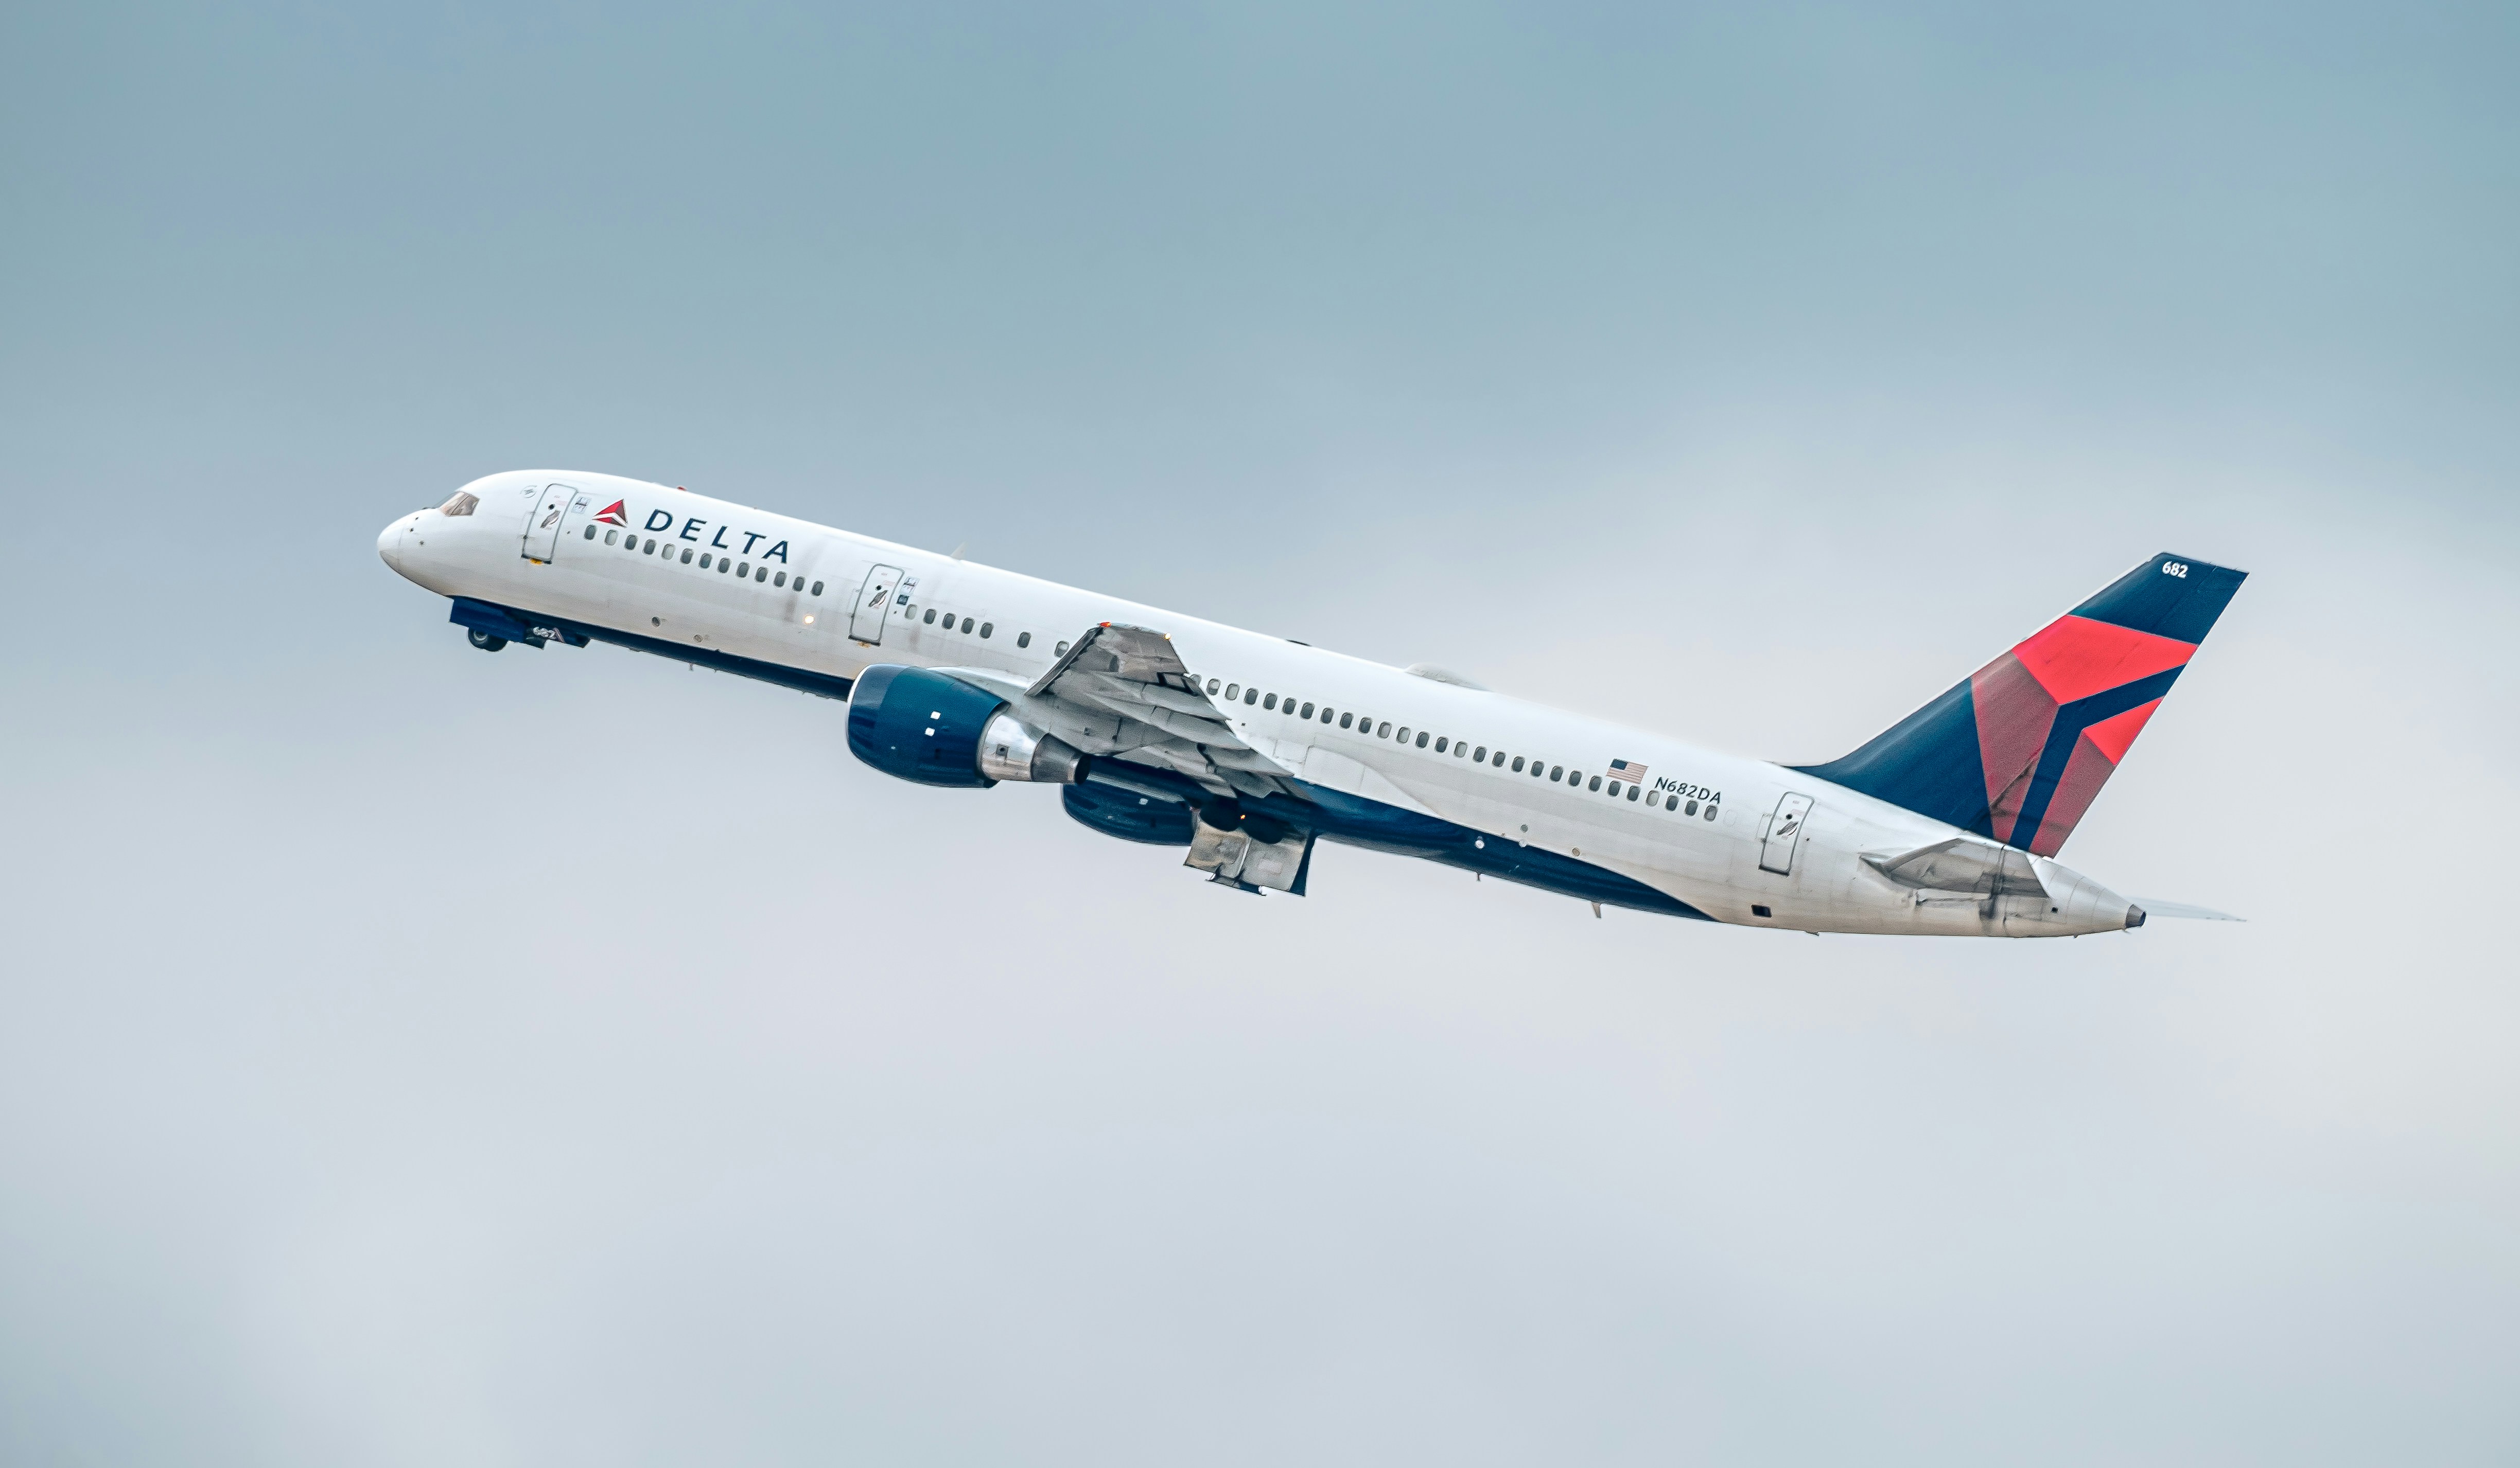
(1331,814)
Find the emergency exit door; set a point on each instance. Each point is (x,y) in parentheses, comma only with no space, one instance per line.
(874,601)
(1784,834)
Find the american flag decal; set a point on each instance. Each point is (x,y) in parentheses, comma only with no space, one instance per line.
(1628,770)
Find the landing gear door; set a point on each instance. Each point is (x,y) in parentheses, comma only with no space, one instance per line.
(1784,834)
(874,601)
(542,533)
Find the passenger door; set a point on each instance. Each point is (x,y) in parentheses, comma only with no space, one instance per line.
(542,531)
(1784,834)
(875,603)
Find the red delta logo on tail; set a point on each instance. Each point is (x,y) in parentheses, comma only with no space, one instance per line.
(2019,751)
(613,513)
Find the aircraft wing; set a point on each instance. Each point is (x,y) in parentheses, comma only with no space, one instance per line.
(1123,691)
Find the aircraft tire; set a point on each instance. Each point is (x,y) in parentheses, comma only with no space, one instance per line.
(484,641)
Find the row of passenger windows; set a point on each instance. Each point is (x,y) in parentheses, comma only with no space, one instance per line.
(1366,724)
(724,564)
(1233,692)
(944,622)
(928,616)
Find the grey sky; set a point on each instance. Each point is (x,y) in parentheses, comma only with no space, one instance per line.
(413,1057)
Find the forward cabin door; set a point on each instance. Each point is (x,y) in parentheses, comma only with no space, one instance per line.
(874,600)
(1784,834)
(542,533)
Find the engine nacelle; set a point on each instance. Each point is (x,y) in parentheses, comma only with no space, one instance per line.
(1011,749)
(938,731)
(1129,816)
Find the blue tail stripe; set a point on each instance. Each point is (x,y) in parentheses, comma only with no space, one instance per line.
(2071,721)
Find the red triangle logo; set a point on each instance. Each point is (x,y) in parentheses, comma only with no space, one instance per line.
(613,513)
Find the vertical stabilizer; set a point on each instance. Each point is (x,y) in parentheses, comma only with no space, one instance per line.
(2019,750)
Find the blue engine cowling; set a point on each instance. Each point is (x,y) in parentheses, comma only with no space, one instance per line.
(1129,814)
(920,725)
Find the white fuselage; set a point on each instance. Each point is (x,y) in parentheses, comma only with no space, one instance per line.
(1699,831)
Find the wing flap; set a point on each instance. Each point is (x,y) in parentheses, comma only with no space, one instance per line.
(1134,674)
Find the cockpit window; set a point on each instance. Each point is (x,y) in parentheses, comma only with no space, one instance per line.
(462,503)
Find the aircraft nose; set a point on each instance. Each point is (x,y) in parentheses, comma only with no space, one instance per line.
(389,544)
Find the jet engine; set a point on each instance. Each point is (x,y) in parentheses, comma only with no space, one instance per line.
(938,731)
(1117,811)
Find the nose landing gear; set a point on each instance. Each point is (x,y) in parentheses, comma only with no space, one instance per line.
(484,641)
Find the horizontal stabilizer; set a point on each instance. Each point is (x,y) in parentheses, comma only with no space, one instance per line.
(1960,865)
(2153,909)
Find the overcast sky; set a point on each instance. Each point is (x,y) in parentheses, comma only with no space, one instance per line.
(413,1057)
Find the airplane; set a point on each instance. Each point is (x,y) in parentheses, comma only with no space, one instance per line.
(1249,750)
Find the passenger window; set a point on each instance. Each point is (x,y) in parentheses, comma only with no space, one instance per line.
(1269,702)
(747,571)
(687,559)
(1023,639)
(1482,756)
(1211,688)
(1711,809)
(931,618)
(1634,790)
(779,580)
(1307,713)
(1384,730)
(1326,715)
(1403,735)
(1614,789)
(1673,804)
(1555,773)
(1421,738)
(650,549)
(590,532)
(611,537)
(1060,650)
(723,565)
(705,562)
(1347,721)
(1517,764)
(967,624)
(1460,751)
(816,591)
(1233,692)
(762,573)
(1250,695)
(1439,747)
(987,628)
(1596,784)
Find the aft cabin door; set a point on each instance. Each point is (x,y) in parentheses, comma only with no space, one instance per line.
(874,600)
(542,533)
(1784,834)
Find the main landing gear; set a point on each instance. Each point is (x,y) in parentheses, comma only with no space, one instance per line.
(484,641)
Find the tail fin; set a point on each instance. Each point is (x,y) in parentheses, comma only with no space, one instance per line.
(2019,750)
